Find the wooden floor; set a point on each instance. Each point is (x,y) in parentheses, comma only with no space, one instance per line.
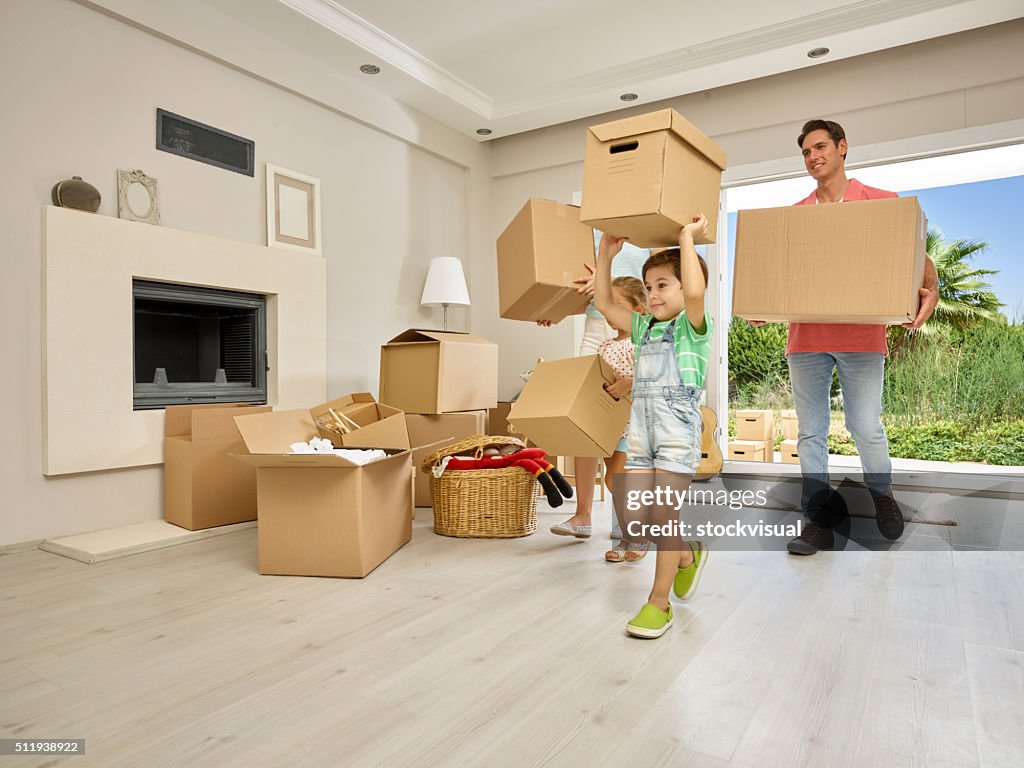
(512,653)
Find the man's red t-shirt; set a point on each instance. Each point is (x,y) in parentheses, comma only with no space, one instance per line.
(840,337)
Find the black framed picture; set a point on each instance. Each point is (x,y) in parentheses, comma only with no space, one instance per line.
(188,138)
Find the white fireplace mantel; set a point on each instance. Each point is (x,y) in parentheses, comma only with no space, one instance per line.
(89,261)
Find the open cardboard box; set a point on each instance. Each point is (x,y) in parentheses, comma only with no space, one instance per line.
(542,250)
(320,514)
(565,409)
(646,176)
(370,424)
(425,371)
(203,486)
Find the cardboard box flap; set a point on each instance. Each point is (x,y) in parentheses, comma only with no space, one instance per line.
(328,460)
(342,404)
(419,336)
(178,422)
(218,424)
(272,433)
(665,119)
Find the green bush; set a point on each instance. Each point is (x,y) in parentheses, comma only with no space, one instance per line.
(1001,444)
(975,377)
(757,354)
(935,441)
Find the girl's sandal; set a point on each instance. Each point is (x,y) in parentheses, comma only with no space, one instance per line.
(616,554)
(636,550)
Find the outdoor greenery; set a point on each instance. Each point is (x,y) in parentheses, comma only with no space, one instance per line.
(954,389)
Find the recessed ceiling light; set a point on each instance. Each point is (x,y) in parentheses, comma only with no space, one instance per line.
(817,53)
(484,131)
(629,97)
(369,69)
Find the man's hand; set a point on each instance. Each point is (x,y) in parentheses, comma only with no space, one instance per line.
(620,388)
(929,293)
(585,285)
(929,299)
(544,323)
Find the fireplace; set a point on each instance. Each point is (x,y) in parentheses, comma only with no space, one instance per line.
(197,345)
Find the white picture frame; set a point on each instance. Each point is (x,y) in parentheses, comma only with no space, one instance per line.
(137,197)
(293,210)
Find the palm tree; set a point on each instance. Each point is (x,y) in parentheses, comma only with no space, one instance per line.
(964,298)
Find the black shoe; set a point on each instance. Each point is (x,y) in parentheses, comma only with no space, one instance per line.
(812,538)
(888,516)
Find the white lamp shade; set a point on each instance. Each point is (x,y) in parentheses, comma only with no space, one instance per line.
(446,283)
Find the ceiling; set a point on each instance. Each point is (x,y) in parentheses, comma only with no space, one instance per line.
(517,66)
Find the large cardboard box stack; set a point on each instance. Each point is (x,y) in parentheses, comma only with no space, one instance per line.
(438,372)
(856,262)
(644,177)
(426,430)
(565,409)
(320,514)
(755,436)
(203,486)
(542,250)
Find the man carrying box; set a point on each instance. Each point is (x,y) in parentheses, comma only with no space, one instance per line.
(813,350)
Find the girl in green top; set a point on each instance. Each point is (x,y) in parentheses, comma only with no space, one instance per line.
(663,446)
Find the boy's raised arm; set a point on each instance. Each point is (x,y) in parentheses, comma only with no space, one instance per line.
(694,285)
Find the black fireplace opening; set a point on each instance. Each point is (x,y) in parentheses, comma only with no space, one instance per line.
(198,345)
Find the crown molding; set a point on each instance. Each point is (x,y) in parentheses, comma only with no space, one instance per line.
(333,16)
(817,26)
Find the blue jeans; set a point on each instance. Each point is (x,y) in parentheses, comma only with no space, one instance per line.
(860,377)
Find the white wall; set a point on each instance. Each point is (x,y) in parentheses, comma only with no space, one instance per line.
(79,93)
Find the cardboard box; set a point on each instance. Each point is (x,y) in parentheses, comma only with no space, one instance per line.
(426,430)
(203,486)
(856,262)
(566,411)
(644,177)
(319,514)
(750,450)
(789,454)
(439,372)
(497,419)
(378,425)
(542,250)
(790,426)
(755,425)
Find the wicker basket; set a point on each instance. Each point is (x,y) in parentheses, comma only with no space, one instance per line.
(482,503)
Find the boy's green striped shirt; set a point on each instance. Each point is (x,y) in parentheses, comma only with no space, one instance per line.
(692,351)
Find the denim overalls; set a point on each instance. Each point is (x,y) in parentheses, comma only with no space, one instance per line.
(665,422)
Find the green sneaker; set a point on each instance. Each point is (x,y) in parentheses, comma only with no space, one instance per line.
(686,580)
(651,622)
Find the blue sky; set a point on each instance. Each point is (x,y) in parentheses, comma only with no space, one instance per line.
(983,210)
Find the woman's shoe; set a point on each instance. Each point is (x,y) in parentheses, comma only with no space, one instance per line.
(568,529)
(650,623)
(637,550)
(616,554)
